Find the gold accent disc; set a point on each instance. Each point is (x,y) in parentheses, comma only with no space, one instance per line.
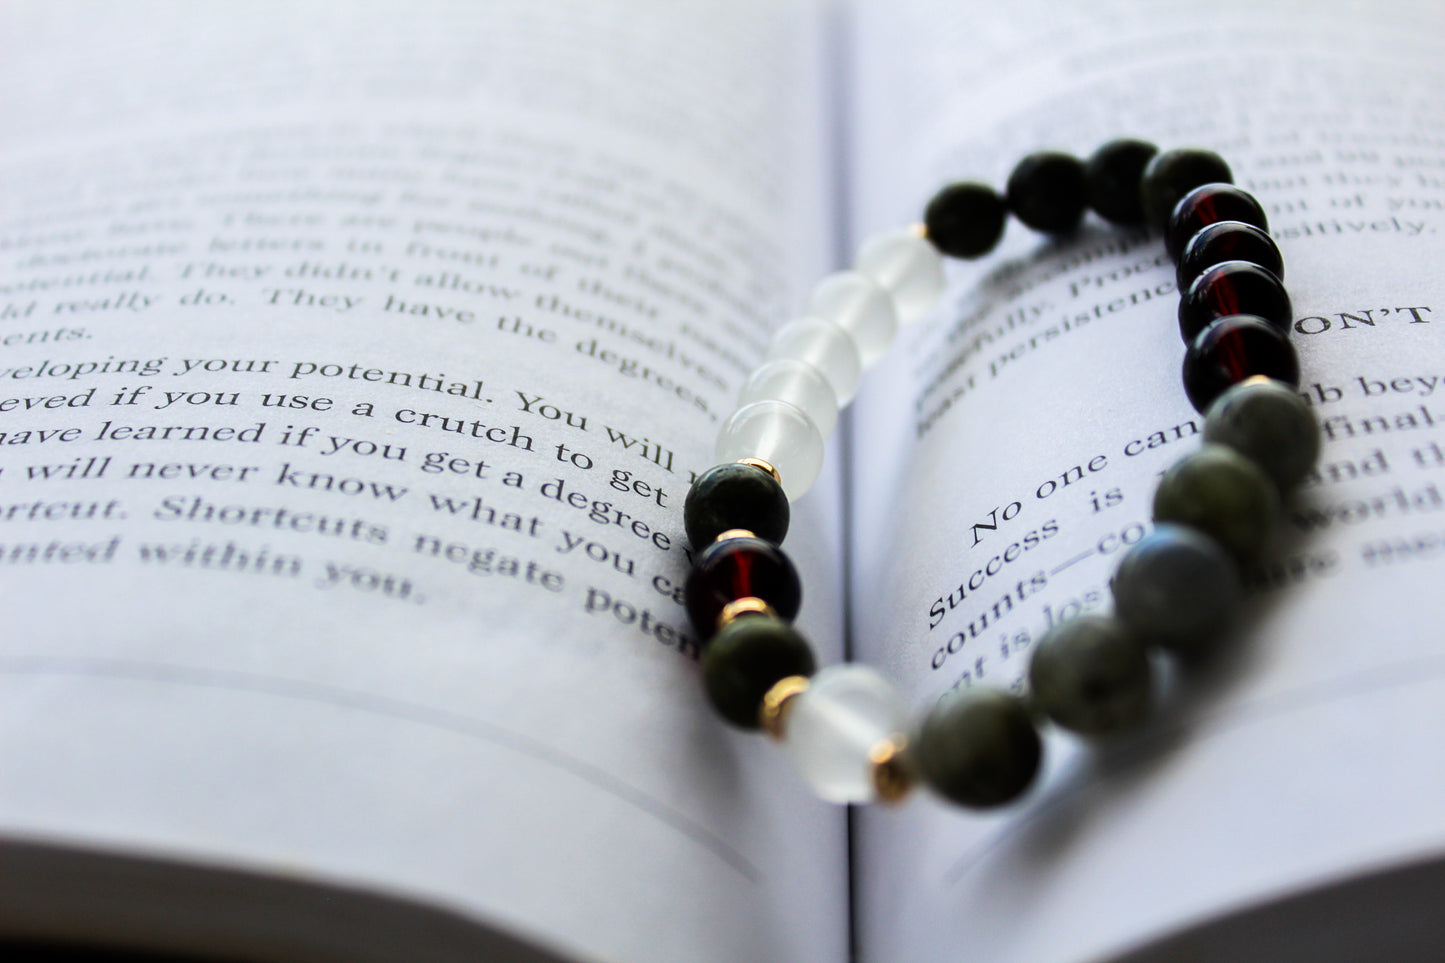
(766,466)
(743,606)
(893,778)
(773,710)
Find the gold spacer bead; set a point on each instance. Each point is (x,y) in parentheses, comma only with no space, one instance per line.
(919,229)
(773,710)
(1261,380)
(743,606)
(893,778)
(766,466)
(734,533)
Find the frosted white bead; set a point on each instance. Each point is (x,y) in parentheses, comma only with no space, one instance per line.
(780,434)
(908,266)
(798,383)
(826,347)
(833,726)
(859,305)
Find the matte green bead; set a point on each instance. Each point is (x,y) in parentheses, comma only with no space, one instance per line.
(745,659)
(1224,495)
(734,495)
(1267,422)
(1170,175)
(1091,675)
(1176,588)
(979,748)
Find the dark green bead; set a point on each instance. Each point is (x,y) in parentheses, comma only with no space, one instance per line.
(1112,176)
(965,220)
(1046,191)
(1090,675)
(1224,495)
(1174,173)
(745,659)
(979,748)
(1268,423)
(1177,589)
(735,495)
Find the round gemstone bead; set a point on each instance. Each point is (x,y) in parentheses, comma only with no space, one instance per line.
(908,267)
(826,347)
(1268,423)
(1231,350)
(746,658)
(1234,287)
(1209,204)
(1222,494)
(1176,588)
(1046,191)
(965,220)
(860,306)
(739,568)
(799,384)
(781,435)
(735,496)
(978,748)
(1112,176)
(1090,675)
(833,728)
(1172,174)
(1227,241)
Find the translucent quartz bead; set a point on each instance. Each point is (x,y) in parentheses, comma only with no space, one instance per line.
(908,267)
(826,347)
(1231,350)
(858,305)
(833,727)
(781,435)
(798,383)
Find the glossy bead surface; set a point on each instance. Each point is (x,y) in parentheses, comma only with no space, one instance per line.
(1209,204)
(1046,191)
(1222,494)
(1234,287)
(745,659)
(832,728)
(1170,175)
(1268,423)
(908,267)
(1227,241)
(1231,350)
(735,496)
(799,384)
(861,307)
(979,748)
(1176,588)
(738,568)
(781,435)
(1091,676)
(826,347)
(1112,176)
(965,220)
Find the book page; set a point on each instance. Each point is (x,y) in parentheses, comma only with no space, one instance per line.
(354,365)
(1007,459)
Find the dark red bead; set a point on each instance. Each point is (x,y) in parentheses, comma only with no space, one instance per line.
(739,568)
(1209,204)
(1234,287)
(1228,241)
(1233,349)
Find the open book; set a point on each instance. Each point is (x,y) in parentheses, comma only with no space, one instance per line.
(355,362)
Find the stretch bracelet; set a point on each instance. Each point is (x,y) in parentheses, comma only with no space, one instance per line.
(1177,590)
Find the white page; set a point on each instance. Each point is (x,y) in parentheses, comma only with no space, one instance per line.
(547,239)
(1316,751)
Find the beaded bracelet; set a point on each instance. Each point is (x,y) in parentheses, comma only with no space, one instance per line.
(1178,589)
